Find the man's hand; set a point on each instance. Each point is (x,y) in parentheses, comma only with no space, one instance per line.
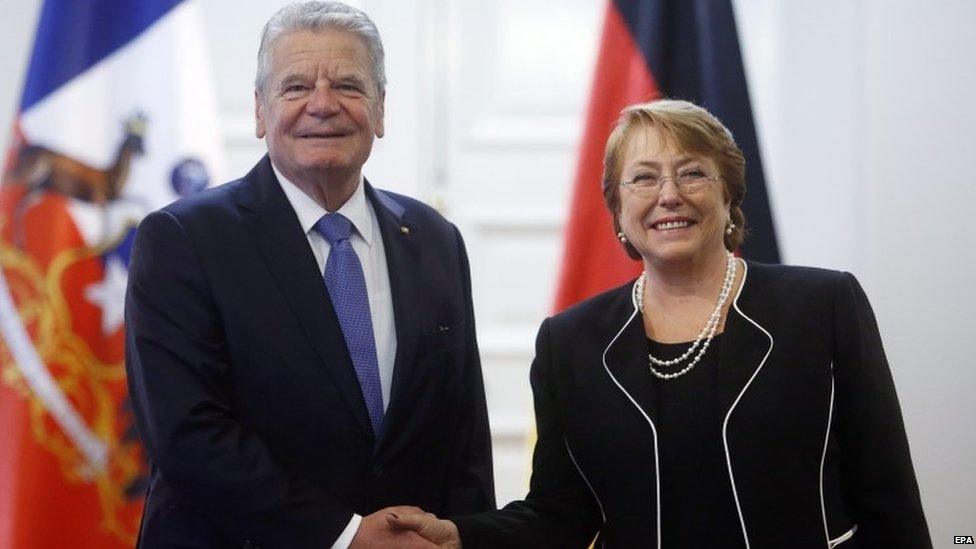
(376,531)
(444,533)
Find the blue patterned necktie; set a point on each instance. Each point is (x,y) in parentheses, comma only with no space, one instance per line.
(347,287)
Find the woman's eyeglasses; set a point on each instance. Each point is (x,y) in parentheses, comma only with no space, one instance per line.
(648,184)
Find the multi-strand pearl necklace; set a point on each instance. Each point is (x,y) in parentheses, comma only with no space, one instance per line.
(704,338)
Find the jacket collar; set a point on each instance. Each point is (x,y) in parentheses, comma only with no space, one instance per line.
(747,344)
(356,209)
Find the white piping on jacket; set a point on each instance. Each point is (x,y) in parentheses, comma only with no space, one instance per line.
(842,538)
(823,457)
(657,469)
(586,480)
(725,424)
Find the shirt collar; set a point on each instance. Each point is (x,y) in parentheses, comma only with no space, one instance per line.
(356,209)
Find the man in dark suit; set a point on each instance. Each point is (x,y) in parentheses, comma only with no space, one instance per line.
(301,348)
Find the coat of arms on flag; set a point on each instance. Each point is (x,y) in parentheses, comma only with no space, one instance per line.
(114,122)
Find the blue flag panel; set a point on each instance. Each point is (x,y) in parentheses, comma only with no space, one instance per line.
(79,33)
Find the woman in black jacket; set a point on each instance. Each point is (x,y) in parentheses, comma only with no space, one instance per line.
(713,402)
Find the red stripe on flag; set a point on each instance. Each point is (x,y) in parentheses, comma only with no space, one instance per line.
(45,499)
(593,259)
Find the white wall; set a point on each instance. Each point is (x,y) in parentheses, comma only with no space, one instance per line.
(920,201)
(865,118)
(16,38)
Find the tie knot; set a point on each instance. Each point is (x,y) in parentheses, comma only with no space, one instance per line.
(334,227)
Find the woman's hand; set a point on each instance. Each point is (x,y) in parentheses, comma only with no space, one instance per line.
(444,533)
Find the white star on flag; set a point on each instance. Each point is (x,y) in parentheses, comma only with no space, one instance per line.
(109,294)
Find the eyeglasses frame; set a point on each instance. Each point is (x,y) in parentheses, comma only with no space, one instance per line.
(646,190)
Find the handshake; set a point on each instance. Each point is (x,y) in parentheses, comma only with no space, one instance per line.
(405,527)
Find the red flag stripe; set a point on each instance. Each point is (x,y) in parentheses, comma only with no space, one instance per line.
(593,259)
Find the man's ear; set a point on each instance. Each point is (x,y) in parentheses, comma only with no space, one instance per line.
(259,129)
(380,111)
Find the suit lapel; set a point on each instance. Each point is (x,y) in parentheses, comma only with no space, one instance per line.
(404,267)
(744,351)
(626,358)
(278,235)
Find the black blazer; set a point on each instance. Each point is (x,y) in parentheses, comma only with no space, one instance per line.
(244,392)
(814,440)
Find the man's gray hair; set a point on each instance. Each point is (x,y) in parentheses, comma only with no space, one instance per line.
(317,16)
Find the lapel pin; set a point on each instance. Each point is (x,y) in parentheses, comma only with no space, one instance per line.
(405,230)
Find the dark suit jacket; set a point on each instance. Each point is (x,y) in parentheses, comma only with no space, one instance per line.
(814,440)
(244,392)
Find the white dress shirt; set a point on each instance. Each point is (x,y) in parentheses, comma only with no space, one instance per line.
(367,242)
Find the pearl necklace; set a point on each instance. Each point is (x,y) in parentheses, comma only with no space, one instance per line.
(704,338)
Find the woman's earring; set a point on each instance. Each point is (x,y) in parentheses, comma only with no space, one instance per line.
(730,227)
(622,237)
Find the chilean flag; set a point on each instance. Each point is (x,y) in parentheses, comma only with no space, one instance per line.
(680,49)
(117,118)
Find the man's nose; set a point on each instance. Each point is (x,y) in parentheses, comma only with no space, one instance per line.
(323,101)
